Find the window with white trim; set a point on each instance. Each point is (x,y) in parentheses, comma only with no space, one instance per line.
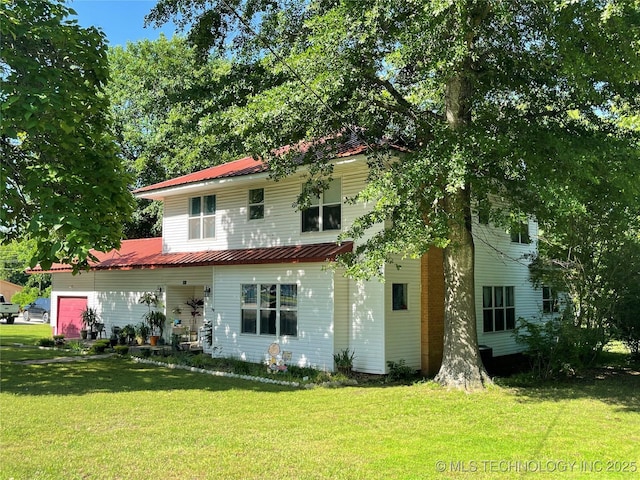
(269,309)
(256,204)
(202,217)
(498,309)
(325,212)
(520,232)
(549,300)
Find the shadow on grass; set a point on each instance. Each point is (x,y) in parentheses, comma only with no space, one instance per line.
(617,386)
(114,374)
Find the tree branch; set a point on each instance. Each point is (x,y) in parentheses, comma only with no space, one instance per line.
(402,104)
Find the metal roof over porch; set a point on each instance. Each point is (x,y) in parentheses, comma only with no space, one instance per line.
(147,253)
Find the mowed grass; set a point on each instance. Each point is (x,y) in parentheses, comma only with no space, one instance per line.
(116,419)
(13,337)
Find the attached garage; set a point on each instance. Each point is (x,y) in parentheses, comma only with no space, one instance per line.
(69,320)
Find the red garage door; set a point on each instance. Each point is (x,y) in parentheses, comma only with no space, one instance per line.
(70,315)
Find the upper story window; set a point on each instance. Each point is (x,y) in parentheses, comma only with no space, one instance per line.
(325,212)
(202,217)
(549,300)
(498,309)
(483,214)
(520,232)
(256,203)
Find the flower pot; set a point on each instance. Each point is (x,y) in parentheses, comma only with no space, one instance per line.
(83,334)
(153,340)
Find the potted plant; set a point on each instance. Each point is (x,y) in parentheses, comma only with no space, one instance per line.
(115,335)
(195,304)
(154,319)
(142,333)
(344,361)
(127,334)
(89,319)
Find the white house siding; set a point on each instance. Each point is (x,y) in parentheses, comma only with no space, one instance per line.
(313,347)
(367,335)
(116,294)
(68,285)
(281,224)
(499,262)
(341,315)
(402,327)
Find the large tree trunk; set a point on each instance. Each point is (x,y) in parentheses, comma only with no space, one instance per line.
(461,363)
(462,366)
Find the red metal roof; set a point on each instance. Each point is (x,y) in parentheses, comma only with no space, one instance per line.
(249,165)
(147,253)
(244,166)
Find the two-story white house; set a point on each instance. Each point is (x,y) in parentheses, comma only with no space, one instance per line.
(234,238)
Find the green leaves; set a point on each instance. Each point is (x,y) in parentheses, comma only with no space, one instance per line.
(174,115)
(63,184)
(544,103)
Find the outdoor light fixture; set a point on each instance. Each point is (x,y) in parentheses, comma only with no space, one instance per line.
(207,290)
(159,290)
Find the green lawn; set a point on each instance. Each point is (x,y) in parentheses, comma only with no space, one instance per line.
(115,419)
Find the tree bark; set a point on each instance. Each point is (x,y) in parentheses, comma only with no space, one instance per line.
(462,366)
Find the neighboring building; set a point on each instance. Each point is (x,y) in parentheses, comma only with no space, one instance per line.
(9,289)
(233,237)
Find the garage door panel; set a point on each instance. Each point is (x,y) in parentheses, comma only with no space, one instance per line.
(70,315)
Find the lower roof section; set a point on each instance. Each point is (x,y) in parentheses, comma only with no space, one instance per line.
(147,253)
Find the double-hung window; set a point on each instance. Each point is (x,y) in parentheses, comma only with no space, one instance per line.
(498,309)
(202,217)
(325,212)
(269,309)
(256,203)
(549,300)
(520,232)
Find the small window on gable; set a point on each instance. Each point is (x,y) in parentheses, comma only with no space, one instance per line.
(256,204)
(325,211)
(399,296)
(202,217)
(520,232)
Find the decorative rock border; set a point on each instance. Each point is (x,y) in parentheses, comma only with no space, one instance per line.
(217,373)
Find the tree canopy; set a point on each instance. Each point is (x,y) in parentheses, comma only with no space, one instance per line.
(168,113)
(518,101)
(62,181)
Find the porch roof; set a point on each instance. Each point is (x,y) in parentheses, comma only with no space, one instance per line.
(147,253)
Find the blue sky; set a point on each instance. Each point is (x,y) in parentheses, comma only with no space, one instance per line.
(120,20)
